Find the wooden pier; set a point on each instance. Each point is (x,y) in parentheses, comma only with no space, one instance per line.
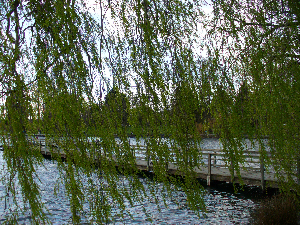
(214,168)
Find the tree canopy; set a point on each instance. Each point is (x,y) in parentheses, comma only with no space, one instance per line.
(54,56)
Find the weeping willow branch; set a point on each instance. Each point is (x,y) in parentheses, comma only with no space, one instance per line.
(248,85)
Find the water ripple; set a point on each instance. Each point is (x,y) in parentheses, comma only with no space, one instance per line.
(222,207)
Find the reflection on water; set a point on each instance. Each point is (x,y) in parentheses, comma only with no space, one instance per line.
(222,207)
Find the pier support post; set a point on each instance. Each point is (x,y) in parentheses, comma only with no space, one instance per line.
(209,170)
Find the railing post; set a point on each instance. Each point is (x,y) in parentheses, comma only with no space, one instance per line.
(167,164)
(209,169)
(232,169)
(148,159)
(298,170)
(133,149)
(262,171)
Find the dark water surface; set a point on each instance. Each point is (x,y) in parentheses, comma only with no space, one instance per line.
(222,207)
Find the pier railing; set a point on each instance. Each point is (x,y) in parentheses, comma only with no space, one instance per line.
(215,158)
(215,163)
(218,165)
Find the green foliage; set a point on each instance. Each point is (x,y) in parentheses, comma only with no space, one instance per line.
(185,105)
(54,53)
(116,105)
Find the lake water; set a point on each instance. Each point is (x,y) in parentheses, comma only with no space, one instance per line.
(222,207)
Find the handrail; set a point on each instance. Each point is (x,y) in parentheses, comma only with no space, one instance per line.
(253,160)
